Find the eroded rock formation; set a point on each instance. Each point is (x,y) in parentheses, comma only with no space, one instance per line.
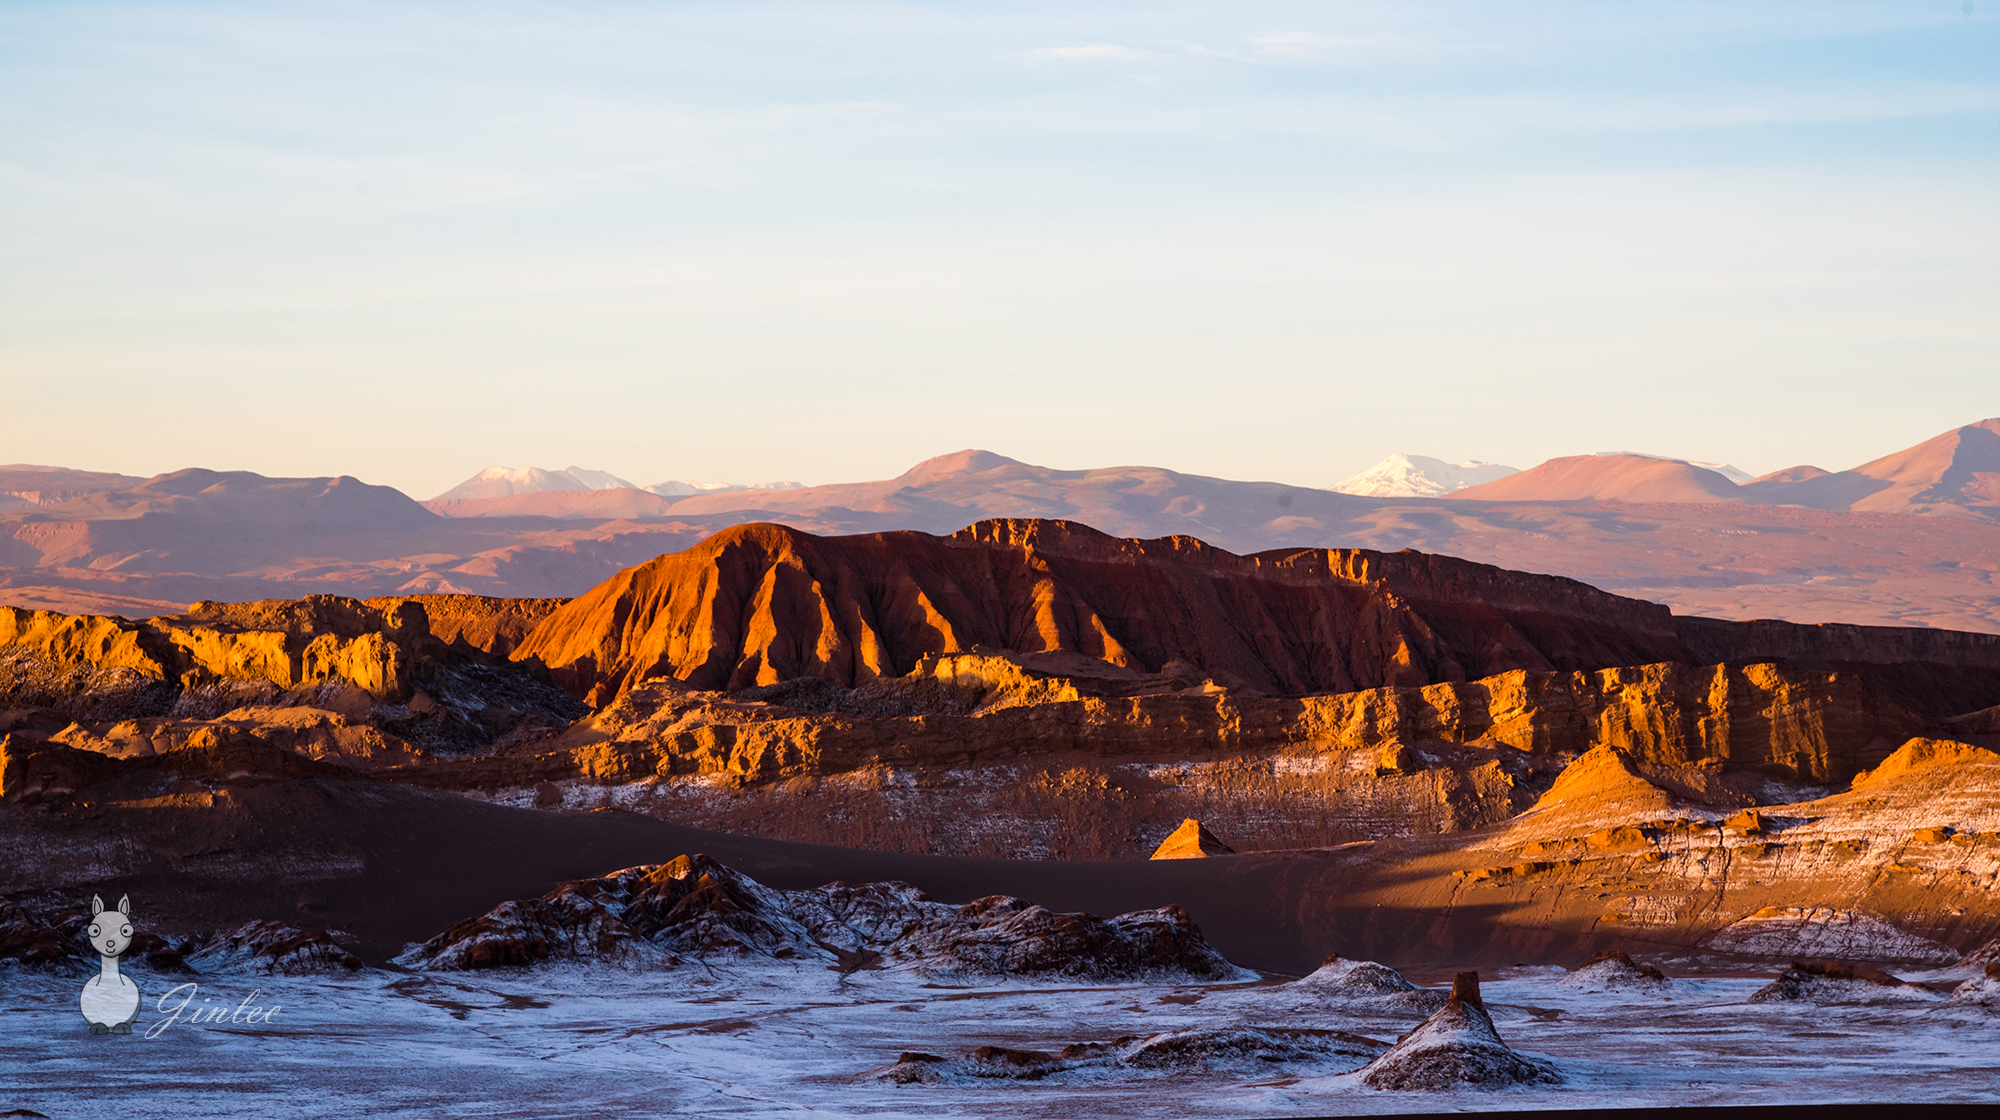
(273,948)
(1191,841)
(1613,970)
(1457,1047)
(694,907)
(1826,981)
(758,604)
(386,688)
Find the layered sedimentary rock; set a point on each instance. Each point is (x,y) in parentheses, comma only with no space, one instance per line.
(1070,696)
(479,622)
(1771,718)
(315,733)
(385,684)
(1940,672)
(379,645)
(40,772)
(761,604)
(758,604)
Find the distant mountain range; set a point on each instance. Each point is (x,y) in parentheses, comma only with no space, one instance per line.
(1419,476)
(1954,474)
(506,482)
(1910,538)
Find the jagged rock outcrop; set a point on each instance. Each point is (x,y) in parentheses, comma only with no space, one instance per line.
(1982,991)
(1191,841)
(1198,1049)
(274,948)
(41,772)
(1764,718)
(289,643)
(296,642)
(1002,936)
(1615,970)
(761,603)
(1839,982)
(57,942)
(694,907)
(315,733)
(1985,956)
(480,622)
(1771,717)
(691,904)
(393,688)
(27,941)
(1458,1047)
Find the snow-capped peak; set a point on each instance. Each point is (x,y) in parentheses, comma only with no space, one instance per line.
(1420,476)
(499,482)
(673,488)
(598,480)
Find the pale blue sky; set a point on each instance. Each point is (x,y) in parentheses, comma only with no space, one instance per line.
(821,241)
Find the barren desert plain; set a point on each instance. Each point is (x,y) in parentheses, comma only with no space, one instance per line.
(994,790)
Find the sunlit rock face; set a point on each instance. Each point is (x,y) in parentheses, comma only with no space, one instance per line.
(1191,841)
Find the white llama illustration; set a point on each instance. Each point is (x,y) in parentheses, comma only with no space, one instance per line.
(110,1001)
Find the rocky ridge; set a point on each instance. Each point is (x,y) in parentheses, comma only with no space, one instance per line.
(1828,982)
(694,907)
(58,943)
(366,682)
(760,604)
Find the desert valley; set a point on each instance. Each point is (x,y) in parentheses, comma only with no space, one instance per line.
(1612,781)
(1249,561)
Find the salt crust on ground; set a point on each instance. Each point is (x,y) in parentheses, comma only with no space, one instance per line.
(778,1039)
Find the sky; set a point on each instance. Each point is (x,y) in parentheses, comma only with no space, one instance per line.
(822,241)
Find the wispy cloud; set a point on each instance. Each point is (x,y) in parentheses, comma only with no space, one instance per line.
(1112,52)
(1314,46)
(1276,47)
